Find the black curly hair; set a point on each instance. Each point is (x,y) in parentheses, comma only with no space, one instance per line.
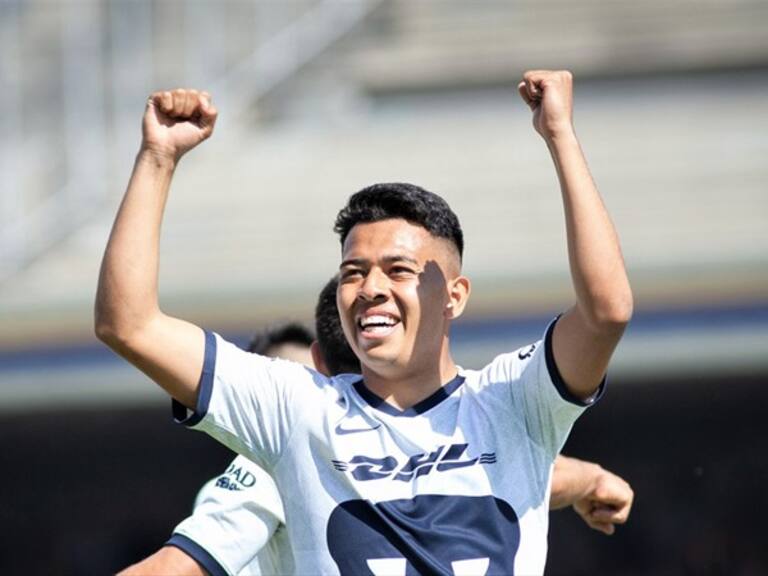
(401,200)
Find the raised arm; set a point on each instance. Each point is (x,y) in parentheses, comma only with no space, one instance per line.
(600,497)
(127,315)
(586,335)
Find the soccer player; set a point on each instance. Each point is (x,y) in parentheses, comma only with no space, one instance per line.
(238,523)
(415,466)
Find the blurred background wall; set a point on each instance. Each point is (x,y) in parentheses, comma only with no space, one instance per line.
(318,99)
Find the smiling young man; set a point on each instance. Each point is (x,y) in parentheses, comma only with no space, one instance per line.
(417,466)
(401,285)
(238,522)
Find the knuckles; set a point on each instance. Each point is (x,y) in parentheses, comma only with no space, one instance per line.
(180,102)
(548,77)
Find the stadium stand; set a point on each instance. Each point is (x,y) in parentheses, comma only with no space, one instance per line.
(690,205)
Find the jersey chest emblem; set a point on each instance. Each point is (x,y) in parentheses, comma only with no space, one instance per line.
(429,534)
(442,459)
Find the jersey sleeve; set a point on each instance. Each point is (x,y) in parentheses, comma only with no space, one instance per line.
(248,402)
(539,393)
(235,515)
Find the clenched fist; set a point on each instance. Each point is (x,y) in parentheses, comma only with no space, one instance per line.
(607,504)
(550,96)
(177,121)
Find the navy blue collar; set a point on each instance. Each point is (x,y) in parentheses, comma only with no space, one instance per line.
(419,408)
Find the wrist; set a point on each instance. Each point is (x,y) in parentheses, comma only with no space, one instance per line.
(594,473)
(559,136)
(157,158)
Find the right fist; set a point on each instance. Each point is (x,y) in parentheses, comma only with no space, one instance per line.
(177,121)
(549,94)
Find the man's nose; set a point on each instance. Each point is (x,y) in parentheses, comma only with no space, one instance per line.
(374,287)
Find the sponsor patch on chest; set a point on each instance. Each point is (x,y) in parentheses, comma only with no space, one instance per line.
(442,459)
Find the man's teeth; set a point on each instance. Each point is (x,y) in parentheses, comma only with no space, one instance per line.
(377,321)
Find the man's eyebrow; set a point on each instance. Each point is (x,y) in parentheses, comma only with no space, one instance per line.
(353,262)
(400,258)
(387,259)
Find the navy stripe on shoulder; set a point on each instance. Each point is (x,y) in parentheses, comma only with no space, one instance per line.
(205,387)
(197,553)
(557,379)
(433,400)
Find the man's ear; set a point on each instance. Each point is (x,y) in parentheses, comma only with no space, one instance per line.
(458,294)
(317,359)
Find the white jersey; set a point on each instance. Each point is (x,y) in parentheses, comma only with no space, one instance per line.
(237,526)
(457,484)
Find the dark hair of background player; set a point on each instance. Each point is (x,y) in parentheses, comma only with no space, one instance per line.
(338,356)
(278,335)
(399,200)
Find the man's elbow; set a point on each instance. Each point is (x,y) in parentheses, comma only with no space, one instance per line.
(114,330)
(111,333)
(613,313)
(620,311)
(103,324)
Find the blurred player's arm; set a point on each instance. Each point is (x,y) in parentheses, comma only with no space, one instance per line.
(586,335)
(127,315)
(601,498)
(168,561)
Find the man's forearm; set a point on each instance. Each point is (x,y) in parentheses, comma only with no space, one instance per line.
(126,297)
(602,288)
(572,480)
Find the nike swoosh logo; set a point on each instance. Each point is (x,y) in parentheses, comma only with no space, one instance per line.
(342,431)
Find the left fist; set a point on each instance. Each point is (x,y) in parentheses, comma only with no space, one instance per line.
(607,504)
(550,96)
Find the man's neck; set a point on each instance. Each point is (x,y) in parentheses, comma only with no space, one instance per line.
(406,388)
